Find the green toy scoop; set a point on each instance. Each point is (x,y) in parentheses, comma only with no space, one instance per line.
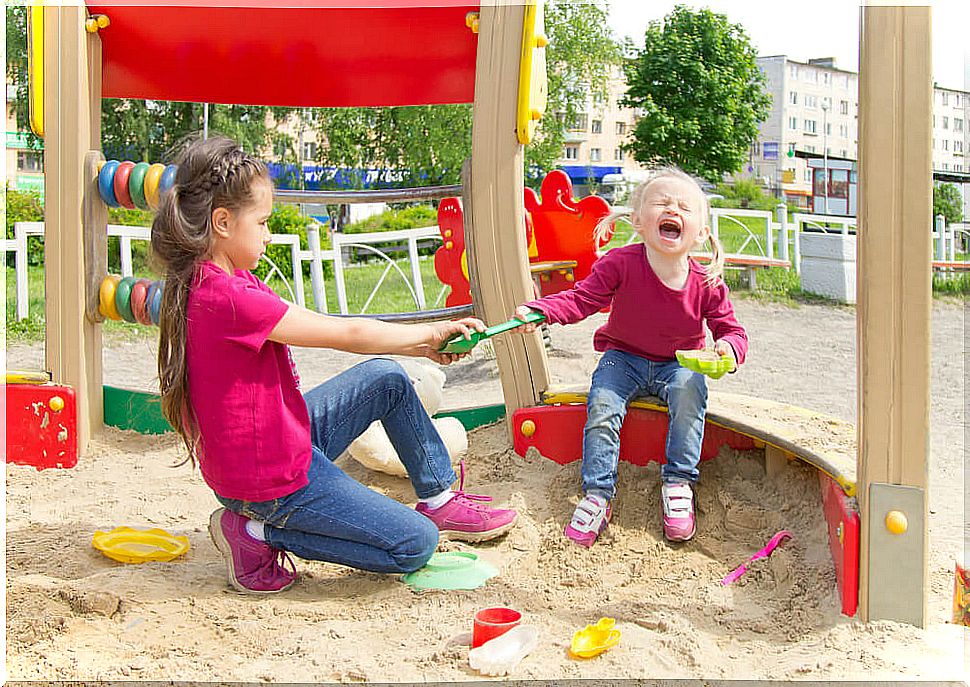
(459,344)
(707,362)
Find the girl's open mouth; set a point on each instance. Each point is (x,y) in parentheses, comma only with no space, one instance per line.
(669,229)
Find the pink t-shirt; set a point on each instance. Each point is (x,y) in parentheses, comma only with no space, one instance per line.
(253,421)
(647,317)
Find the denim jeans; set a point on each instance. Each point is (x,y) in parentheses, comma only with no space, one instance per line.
(337,519)
(618,379)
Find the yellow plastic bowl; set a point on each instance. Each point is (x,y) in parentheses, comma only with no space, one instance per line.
(129,545)
(593,640)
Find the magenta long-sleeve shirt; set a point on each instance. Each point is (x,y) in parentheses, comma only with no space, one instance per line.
(647,317)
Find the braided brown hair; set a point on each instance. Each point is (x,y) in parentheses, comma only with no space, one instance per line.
(212,173)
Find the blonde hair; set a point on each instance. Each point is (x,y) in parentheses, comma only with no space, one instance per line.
(604,229)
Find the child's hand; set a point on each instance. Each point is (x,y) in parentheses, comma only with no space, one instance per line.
(520,313)
(443,331)
(722,347)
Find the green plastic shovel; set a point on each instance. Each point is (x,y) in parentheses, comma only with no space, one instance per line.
(459,344)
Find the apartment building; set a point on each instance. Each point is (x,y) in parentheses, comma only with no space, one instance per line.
(24,165)
(815,114)
(593,145)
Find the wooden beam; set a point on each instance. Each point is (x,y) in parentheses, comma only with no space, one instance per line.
(498,262)
(894,277)
(72,111)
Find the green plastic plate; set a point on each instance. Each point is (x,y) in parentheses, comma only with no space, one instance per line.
(698,362)
(451,570)
(459,344)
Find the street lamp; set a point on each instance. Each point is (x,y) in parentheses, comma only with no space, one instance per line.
(825,150)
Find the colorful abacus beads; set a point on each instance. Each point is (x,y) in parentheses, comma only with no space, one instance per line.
(130,299)
(130,185)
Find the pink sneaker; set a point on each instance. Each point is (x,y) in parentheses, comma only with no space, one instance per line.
(677,499)
(589,520)
(254,566)
(464,518)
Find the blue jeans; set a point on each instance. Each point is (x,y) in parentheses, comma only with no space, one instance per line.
(334,517)
(618,379)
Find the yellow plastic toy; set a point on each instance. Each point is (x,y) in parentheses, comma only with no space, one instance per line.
(593,640)
(129,545)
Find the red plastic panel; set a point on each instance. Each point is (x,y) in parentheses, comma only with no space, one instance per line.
(842,520)
(559,434)
(298,53)
(564,226)
(38,434)
(449,257)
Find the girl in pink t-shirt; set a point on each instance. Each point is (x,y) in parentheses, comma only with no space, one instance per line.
(660,301)
(230,389)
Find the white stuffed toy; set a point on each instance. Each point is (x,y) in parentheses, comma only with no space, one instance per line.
(373,449)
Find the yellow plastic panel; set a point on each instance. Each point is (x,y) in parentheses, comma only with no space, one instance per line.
(533,87)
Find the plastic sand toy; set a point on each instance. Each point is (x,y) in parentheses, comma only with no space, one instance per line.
(451,570)
(593,640)
(459,344)
(129,545)
(707,362)
(499,656)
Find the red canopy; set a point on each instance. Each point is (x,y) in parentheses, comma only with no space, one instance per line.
(303,53)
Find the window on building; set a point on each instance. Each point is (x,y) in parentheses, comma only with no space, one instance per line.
(844,107)
(793,123)
(958,168)
(946,144)
(810,126)
(957,124)
(597,126)
(310,151)
(580,123)
(571,153)
(29,162)
(793,71)
(809,149)
(808,175)
(946,167)
(618,154)
(843,130)
(946,97)
(793,97)
(595,154)
(621,128)
(826,78)
(958,146)
(828,128)
(946,122)
(811,101)
(956,99)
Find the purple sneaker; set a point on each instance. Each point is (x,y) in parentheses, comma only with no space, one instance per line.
(589,520)
(465,518)
(254,566)
(677,499)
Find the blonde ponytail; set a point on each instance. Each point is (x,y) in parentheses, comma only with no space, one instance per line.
(715,268)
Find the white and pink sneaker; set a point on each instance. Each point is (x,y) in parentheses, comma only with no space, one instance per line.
(677,499)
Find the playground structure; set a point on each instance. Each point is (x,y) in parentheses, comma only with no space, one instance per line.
(491,56)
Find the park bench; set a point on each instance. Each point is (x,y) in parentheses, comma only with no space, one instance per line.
(749,263)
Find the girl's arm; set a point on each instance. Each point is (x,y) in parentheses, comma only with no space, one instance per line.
(302,327)
(588,296)
(729,336)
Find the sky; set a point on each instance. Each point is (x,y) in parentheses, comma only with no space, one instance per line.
(813,28)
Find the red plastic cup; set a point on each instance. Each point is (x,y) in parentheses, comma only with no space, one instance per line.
(492,622)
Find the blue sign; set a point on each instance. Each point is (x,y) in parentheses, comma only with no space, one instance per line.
(769,150)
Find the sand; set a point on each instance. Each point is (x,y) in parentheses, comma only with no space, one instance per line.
(74,614)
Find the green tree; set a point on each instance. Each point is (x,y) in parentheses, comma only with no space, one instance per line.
(947,202)
(700,91)
(426,145)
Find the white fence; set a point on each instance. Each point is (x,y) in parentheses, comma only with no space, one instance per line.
(313,254)
(781,239)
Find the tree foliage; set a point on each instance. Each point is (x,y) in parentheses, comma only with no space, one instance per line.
(947,202)
(700,93)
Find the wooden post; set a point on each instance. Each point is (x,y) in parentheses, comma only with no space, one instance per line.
(894,278)
(498,262)
(72,113)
